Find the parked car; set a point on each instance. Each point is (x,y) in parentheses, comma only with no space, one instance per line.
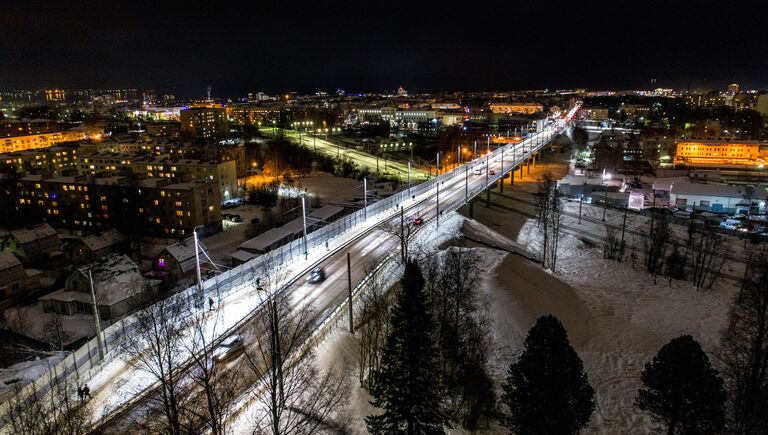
(417,220)
(684,214)
(235,218)
(228,349)
(731,224)
(316,275)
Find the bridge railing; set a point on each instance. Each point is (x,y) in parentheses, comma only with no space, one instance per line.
(85,362)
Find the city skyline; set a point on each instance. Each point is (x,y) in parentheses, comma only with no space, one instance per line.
(424,48)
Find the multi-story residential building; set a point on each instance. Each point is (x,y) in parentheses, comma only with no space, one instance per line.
(45,140)
(222,174)
(90,204)
(249,114)
(523,108)
(206,123)
(27,127)
(54,159)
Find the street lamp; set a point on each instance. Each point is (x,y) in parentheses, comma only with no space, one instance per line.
(197,267)
(605,195)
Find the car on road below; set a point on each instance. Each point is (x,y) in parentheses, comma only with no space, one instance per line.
(478,172)
(417,220)
(491,172)
(316,275)
(229,349)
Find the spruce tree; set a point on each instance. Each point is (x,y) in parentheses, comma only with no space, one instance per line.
(681,388)
(406,385)
(546,390)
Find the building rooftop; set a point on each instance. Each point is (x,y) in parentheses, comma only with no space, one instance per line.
(104,239)
(183,252)
(38,232)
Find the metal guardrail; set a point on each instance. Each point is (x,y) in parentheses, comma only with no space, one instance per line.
(84,363)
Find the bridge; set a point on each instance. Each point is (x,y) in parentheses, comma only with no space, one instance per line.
(118,387)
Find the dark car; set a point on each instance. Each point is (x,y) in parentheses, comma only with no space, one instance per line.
(228,349)
(316,275)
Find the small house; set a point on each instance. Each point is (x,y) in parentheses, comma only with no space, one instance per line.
(118,285)
(177,261)
(89,248)
(32,244)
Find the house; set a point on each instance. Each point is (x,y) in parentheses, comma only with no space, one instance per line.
(177,261)
(11,274)
(117,283)
(32,244)
(89,248)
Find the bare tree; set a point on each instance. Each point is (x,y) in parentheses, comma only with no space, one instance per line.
(217,383)
(156,347)
(656,245)
(708,251)
(54,332)
(295,397)
(744,352)
(48,413)
(612,246)
(404,229)
(543,208)
(374,325)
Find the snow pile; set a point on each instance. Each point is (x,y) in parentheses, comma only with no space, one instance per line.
(23,373)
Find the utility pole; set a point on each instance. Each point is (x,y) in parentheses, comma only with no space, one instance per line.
(365,198)
(437,165)
(438,204)
(581,200)
(304,220)
(502,166)
(474,153)
(96,317)
(403,246)
(466,183)
(349,285)
(197,267)
(409,178)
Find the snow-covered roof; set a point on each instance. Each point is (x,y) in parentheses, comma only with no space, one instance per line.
(184,252)
(38,232)
(115,277)
(8,260)
(325,213)
(104,239)
(243,256)
(722,190)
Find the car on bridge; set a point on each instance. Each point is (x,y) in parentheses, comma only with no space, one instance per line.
(229,349)
(316,275)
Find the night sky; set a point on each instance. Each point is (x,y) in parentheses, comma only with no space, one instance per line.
(376,45)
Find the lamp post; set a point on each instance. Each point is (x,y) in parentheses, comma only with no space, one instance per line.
(365,198)
(197,267)
(581,199)
(304,221)
(409,178)
(96,317)
(605,194)
(437,165)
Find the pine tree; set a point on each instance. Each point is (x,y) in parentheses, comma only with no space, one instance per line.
(406,385)
(681,388)
(546,390)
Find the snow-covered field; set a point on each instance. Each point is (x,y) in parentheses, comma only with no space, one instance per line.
(616,317)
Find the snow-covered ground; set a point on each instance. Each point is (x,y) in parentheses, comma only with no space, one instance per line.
(616,317)
(25,372)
